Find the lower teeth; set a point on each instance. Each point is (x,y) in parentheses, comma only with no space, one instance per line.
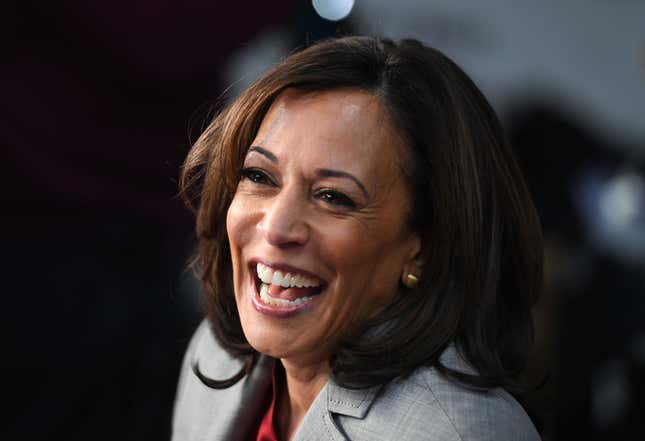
(266,298)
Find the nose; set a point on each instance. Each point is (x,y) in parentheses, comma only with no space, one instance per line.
(284,223)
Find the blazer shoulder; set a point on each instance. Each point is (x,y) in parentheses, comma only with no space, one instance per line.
(428,405)
(202,412)
(206,352)
(189,356)
(477,414)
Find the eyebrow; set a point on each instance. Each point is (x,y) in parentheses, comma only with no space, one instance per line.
(329,173)
(264,152)
(324,172)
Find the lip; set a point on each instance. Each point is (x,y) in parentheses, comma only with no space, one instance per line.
(274,310)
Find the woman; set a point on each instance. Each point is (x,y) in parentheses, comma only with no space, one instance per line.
(369,254)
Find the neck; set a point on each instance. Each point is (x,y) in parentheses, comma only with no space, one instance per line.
(303,383)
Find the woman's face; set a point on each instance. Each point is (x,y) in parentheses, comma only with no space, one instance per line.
(317,227)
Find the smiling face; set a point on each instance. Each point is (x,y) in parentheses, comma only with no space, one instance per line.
(318,225)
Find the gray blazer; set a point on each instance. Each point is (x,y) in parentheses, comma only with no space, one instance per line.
(423,406)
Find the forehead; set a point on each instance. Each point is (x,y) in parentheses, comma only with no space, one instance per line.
(346,125)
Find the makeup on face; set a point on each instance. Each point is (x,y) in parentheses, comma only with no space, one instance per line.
(318,225)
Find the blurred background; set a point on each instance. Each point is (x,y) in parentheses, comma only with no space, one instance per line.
(100,102)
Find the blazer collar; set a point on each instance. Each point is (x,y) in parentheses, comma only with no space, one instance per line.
(350,402)
(320,421)
(356,402)
(320,424)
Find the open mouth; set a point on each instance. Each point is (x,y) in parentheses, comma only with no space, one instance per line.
(282,289)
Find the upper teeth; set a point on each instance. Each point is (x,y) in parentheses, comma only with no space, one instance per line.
(288,280)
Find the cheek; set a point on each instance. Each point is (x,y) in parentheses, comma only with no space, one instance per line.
(231,223)
(366,269)
(363,251)
(236,230)
(239,224)
(371,263)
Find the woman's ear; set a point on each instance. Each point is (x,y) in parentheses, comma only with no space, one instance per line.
(412,268)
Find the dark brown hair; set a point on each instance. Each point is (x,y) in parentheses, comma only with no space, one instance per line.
(482,267)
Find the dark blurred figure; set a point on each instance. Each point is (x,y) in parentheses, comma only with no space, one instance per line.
(591,320)
(96,103)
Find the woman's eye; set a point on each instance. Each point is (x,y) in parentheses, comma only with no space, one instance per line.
(333,197)
(255,175)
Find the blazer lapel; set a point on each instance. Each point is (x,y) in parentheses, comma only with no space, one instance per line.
(320,422)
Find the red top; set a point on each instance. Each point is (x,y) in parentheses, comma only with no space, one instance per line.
(266,431)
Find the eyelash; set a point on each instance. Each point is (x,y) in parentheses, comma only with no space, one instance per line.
(256,175)
(339,199)
(329,196)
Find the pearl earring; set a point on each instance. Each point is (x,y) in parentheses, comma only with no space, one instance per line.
(411,280)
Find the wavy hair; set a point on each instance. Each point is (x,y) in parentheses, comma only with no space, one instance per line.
(482,268)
